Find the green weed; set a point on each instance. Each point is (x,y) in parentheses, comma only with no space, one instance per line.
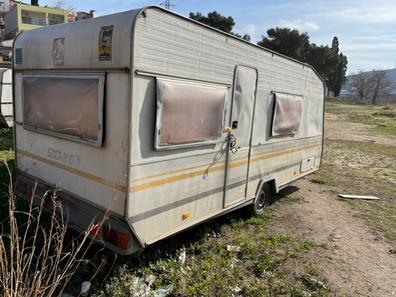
(258,269)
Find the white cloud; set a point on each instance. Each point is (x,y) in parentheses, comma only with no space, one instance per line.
(251,29)
(364,11)
(372,15)
(300,25)
(362,47)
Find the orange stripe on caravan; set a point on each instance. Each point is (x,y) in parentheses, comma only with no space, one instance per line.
(95,178)
(233,164)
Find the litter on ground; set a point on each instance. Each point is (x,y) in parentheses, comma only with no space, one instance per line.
(233,248)
(345,196)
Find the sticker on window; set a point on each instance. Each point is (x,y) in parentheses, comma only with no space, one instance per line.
(105,43)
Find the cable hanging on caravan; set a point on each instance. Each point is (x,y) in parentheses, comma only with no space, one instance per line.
(232,143)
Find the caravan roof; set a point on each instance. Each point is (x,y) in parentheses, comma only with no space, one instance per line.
(81,46)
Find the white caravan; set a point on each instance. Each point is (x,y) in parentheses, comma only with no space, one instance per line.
(164,120)
(6,109)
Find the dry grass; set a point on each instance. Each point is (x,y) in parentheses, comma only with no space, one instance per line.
(381,118)
(36,257)
(366,169)
(366,164)
(6,155)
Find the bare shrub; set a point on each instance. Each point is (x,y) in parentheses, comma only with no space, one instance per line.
(36,257)
(368,87)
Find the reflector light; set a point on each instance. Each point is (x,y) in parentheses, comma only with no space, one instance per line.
(122,240)
(119,239)
(95,231)
(186,215)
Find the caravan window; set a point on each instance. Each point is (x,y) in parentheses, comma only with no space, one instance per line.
(287,114)
(188,113)
(65,105)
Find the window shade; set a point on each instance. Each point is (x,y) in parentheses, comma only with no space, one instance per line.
(188,112)
(287,114)
(66,106)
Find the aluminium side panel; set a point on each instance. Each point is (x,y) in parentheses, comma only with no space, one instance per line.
(96,174)
(165,185)
(168,183)
(6,99)
(80,42)
(280,157)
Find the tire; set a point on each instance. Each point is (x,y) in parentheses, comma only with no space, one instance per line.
(262,201)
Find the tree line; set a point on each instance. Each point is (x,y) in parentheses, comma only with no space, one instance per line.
(329,62)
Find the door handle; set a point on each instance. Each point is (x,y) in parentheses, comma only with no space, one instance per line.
(234,125)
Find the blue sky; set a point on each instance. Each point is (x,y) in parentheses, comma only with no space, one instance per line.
(366,29)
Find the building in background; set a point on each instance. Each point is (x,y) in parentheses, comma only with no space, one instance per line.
(71,16)
(23,17)
(81,15)
(5,7)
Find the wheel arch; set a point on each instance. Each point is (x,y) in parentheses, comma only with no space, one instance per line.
(269,180)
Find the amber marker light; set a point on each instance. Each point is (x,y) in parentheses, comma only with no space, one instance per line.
(186,215)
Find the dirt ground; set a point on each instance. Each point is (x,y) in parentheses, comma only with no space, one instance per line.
(359,260)
(337,127)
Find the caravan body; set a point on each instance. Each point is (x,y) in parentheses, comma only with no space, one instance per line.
(6,109)
(163,120)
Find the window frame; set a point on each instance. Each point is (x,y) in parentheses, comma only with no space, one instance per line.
(101,76)
(158,117)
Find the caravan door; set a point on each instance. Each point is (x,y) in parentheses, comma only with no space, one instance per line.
(240,138)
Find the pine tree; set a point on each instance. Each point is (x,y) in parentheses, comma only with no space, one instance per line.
(341,75)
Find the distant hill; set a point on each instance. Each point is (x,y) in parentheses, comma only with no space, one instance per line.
(391,73)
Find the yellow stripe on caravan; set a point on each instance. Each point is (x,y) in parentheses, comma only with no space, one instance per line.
(175,171)
(169,172)
(95,178)
(120,187)
(233,164)
(175,178)
(134,180)
(260,157)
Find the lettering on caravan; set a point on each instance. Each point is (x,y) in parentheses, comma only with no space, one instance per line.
(63,157)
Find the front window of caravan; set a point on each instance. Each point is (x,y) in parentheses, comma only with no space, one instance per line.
(188,113)
(67,106)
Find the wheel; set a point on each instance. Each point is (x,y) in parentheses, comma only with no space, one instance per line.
(263,200)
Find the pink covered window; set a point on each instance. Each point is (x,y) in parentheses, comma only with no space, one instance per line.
(67,106)
(287,114)
(188,113)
